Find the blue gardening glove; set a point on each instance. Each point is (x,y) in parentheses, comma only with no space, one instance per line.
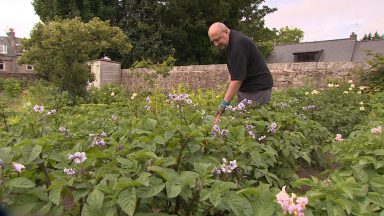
(221,107)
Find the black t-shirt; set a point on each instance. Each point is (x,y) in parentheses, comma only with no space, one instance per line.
(245,62)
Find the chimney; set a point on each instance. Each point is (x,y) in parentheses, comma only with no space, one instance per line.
(12,42)
(11,33)
(353,36)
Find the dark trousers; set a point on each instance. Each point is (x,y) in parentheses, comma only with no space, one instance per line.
(260,97)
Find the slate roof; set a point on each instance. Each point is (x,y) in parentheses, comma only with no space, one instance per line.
(339,50)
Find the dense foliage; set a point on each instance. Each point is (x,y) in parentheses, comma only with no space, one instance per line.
(60,51)
(124,153)
(158,29)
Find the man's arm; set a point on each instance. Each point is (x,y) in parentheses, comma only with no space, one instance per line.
(233,88)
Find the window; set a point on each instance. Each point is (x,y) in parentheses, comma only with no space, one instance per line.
(2,65)
(307,56)
(29,67)
(3,49)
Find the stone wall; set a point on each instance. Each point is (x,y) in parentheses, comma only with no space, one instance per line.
(216,76)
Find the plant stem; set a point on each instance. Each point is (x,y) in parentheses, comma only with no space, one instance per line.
(180,156)
(4,119)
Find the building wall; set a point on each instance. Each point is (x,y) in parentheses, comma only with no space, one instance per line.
(110,72)
(216,76)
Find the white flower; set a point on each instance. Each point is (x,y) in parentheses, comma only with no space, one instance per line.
(350,89)
(133,96)
(113,94)
(361,103)
(362,108)
(345,92)
(18,167)
(306,93)
(358,92)
(350,81)
(352,85)
(330,85)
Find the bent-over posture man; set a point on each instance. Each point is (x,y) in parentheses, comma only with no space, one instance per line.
(250,77)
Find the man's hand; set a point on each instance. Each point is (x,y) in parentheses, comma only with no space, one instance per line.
(221,107)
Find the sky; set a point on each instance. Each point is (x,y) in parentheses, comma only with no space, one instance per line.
(319,19)
(327,19)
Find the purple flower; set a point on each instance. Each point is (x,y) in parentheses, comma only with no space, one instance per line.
(78,157)
(62,129)
(69,171)
(38,108)
(241,106)
(100,142)
(272,127)
(103,134)
(147,107)
(18,167)
(252,134)
(249,127)
(233,164)
(224,132)
(148,99)
(216,128)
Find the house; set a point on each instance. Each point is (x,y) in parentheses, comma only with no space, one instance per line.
(10,51)
(339,50)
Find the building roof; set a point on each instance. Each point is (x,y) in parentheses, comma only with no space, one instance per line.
(338,50)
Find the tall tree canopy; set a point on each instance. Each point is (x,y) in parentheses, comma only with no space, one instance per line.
(287,36)
(169,27)
(60,50)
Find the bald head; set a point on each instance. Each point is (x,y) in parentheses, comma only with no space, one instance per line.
(218,33)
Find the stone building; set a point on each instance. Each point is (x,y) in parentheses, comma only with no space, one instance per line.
(10,51)
(339,50)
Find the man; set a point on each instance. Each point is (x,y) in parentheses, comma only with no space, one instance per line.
(250,77)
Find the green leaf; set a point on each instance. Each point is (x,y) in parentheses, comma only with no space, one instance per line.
(127,201)
(95,199)
(173,189)
(360,173)
(149,124)
(45,209)
(144,178)
(239,205)
(144,154)
(188,178)
(21,182)
(79,193)
(166,173)
(55,195)
(376,198)
(168,135)
(379,152)
(345,204)
(35,152)
(6,154)
(159,140)
(145,192)
(303,182)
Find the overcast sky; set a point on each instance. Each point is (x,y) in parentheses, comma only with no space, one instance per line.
(319,19)
(328,19)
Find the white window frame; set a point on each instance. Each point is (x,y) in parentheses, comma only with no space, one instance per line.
(3,49)
(2,63)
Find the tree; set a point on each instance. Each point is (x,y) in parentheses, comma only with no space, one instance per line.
(375,36)
(158,29)
(287,36)
(60,50)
